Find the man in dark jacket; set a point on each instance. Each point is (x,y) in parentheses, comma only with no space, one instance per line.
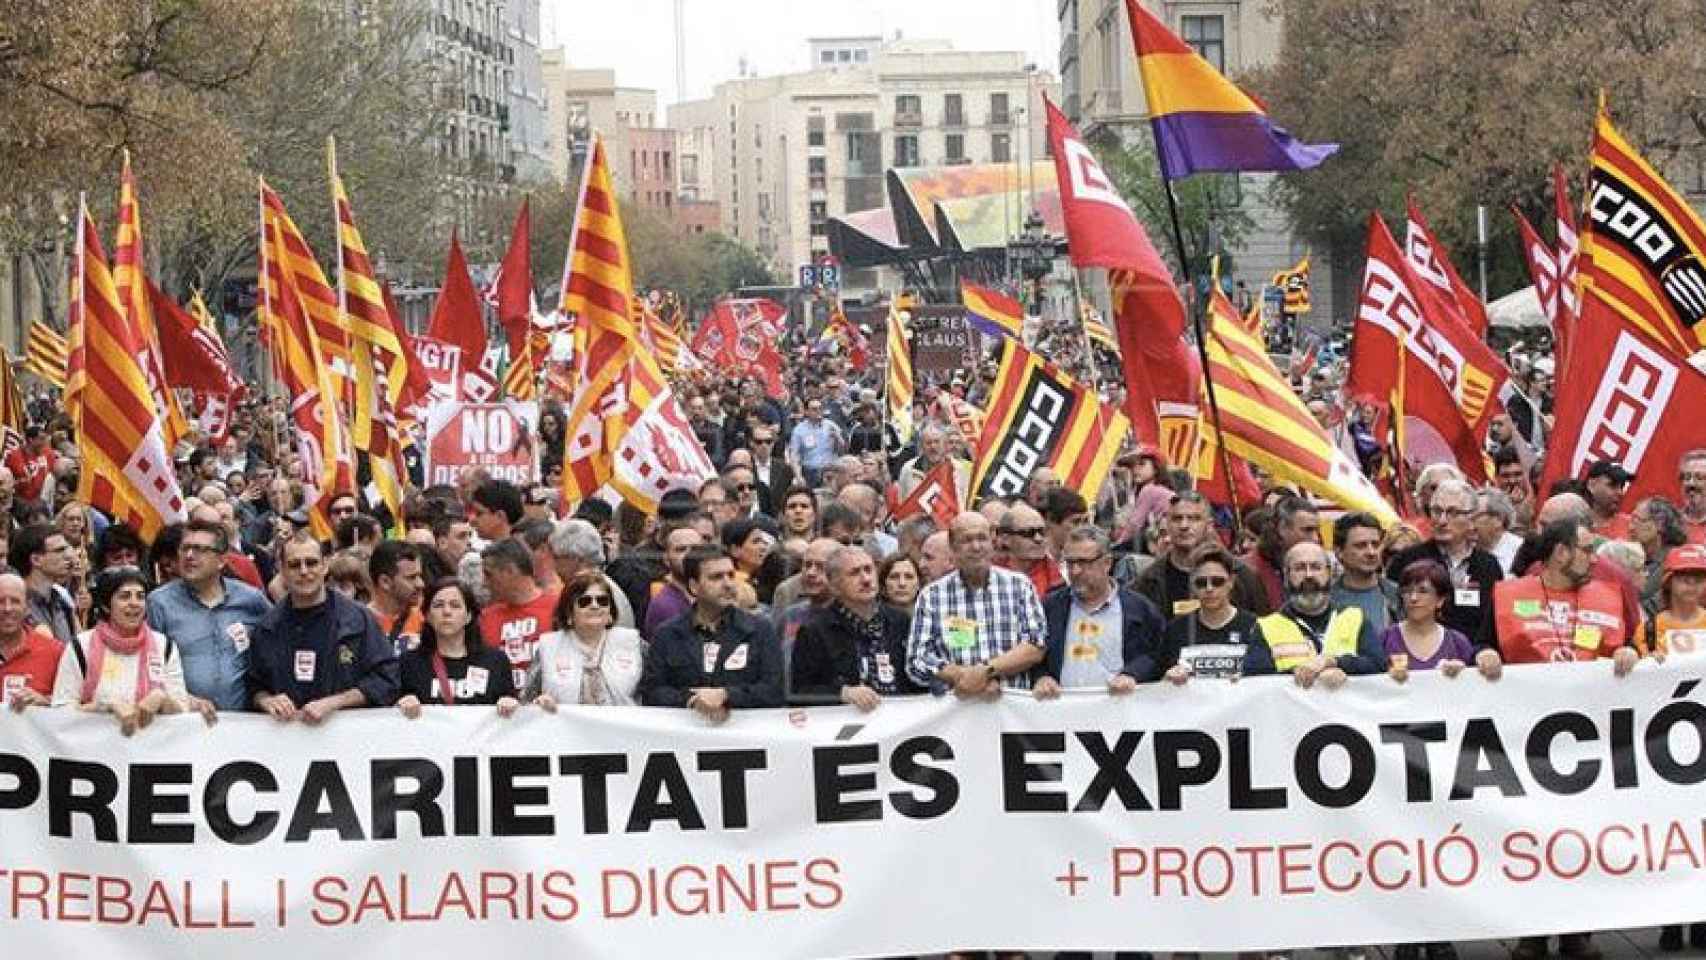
(716,658)
(318,652)
(1469,609)
(1098,636)
(852,649)
(1167,581)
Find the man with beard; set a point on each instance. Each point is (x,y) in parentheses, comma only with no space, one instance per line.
(670,598)
(1308,637)
(1560,614)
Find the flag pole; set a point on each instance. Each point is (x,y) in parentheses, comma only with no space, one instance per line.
(1202,355)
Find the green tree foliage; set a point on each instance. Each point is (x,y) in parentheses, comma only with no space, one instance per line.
(1470,102)
(1211,209)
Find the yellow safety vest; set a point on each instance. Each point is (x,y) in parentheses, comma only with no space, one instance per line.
(1290,647)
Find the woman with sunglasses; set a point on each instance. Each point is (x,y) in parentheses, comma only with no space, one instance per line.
(1212,639)
(121,666)
(587,659)
(452,666)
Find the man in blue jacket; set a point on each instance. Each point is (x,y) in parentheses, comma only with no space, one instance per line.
(717,657)
(1099,637)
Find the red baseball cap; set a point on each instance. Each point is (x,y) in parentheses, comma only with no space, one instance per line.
(1690,558)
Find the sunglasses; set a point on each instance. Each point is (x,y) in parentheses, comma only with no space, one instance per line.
(303,563)
(587,601)
(745,487)
(1210,582)
(1033,533)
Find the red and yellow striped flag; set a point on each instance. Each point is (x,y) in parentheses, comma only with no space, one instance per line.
(898,387)
(299,359)
(12,416)
(519,379)
(661,341)
(131,281)
(1266,423)
(127,470)
(598,290)
(315,294)
(378,363)
(1039,417)
(45,354)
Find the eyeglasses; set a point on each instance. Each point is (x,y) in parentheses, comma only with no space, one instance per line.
(1448,513)
(1033,533)
(1210,582)
(191,549)
(1083,561)
(745,487)
(303,563)
(588,600)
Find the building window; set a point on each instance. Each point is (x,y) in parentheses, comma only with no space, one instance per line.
(1207,36)
(906,151)
(1000,148)
(826,56)
(817,173)
(819,211)
(956,147)
(814,131)
(908,110)
(845,56)
(861,56)
(1000,114)
(953,110)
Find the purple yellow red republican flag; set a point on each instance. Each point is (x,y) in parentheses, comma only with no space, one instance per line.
(1202,121)
(991,310)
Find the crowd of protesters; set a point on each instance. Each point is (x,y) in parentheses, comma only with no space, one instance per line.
(784,581)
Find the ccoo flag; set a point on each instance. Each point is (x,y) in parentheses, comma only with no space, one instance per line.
(1202,121)
(1039,417)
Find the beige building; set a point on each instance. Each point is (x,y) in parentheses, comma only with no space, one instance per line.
(781,155)
(579,102)
(1103,94)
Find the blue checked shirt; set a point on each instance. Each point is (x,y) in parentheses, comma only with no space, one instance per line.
(954,624)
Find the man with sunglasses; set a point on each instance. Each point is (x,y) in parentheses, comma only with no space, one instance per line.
(1474,571)
(318,651)
(1099,636)
(1024,547)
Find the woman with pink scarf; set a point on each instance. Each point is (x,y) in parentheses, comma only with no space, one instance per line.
(121,666)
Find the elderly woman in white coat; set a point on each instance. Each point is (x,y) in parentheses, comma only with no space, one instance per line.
(586,659)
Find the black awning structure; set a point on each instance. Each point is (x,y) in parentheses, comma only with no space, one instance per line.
(949,211)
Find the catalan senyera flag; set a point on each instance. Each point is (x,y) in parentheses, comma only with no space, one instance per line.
(992,310)
(300,360)
(520,382)
(598,290)
(1643,248)
(12,416)
(127,470)
(1203,121)
(1266,423)
(1038,416)
(378,363)
(315,294)
(130,279)
(45,353)
(897,381)
(660,340)
(1099,333)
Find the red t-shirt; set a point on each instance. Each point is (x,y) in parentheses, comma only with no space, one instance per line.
(31,472)
(1614,528)
(515,629)
(35,666)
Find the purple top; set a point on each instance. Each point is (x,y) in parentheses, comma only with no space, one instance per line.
(1455,646)
(665,605)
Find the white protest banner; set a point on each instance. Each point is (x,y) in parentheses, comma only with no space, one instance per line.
(495,436)
(1247,815)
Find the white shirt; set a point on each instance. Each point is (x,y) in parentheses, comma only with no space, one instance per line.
(559,661)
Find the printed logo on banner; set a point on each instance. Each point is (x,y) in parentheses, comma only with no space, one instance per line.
(1036,430)
(1627,408)
(1390,305)
(1622,217)
(1089,181)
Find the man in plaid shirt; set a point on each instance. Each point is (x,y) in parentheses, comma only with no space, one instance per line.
(979,628)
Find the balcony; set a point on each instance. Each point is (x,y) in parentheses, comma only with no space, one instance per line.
(957,161)
(909,118)
(1002,119)
(956,119)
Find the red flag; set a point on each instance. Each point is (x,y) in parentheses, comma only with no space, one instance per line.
(456,322)
(1149,318)
(1542,269)
(193,357)
(1568,255)
(740,337)
(1432,265)
(514,285)
(1395,307)
(417,386)
(934,495)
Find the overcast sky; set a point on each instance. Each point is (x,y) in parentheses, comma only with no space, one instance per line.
(636,38)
